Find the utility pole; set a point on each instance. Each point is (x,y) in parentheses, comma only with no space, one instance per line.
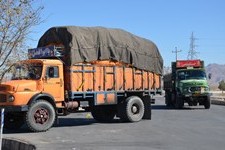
(176,51)
(192,54)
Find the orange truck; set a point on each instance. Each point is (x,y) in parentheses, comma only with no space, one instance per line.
(109,72)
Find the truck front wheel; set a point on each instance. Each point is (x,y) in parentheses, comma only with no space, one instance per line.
(40,116)
(207,102)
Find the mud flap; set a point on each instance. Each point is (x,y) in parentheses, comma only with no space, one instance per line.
(148,109)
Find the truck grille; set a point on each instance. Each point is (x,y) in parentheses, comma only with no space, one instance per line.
(195,89)
(3,98)
(2,88)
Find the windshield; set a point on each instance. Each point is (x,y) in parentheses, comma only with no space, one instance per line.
(31,71)
(191,74)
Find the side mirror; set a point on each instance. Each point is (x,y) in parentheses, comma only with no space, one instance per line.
(209,76)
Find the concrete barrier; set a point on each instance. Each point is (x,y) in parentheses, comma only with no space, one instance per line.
(218,100)
(15,144)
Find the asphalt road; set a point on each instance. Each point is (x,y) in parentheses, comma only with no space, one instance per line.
(170,129)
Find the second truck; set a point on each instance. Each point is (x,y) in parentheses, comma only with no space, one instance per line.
(187,84)
(109,72)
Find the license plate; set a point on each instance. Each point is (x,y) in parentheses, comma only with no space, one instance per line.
(196,94)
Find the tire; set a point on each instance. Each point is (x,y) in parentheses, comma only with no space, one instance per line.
(207,102)
(179,102)
(148,109)
(168,99)
(13,121)
(40,116)
(173,100)
(121,111)
(133,109)
(103,113)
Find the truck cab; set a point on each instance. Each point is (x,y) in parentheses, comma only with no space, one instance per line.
(188,84)
(32,77)
(34,92)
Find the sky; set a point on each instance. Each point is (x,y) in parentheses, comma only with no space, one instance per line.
(167,23)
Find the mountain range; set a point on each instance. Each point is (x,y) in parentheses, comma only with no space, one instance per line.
(217,72)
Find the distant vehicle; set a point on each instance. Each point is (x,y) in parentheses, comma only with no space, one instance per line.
(187,84)
(105,71)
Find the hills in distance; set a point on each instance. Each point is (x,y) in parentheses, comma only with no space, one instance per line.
(217,72)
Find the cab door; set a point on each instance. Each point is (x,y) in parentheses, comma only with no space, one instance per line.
(53,83)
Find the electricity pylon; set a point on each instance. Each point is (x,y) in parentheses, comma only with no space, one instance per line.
(192,54)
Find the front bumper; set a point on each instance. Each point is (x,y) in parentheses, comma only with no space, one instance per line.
(194,99)
(15,108)
(196,94)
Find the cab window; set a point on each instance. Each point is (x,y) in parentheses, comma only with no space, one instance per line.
(52,72)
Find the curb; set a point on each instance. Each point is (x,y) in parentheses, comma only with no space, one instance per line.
(217,102)
(15,144)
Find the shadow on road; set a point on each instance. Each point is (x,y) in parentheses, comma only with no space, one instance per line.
(18,131)
(161,107)
(65,122)
(62,122)
(164,107)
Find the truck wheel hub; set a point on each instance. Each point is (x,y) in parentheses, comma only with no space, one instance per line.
(41,116)
(134,109)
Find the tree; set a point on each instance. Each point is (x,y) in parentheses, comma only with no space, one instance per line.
(17,17)
(222,85)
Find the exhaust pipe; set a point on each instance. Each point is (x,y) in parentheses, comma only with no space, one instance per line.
(71,105)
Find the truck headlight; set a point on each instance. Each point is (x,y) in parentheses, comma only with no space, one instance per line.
(186,90)
(206,89)
(11,98)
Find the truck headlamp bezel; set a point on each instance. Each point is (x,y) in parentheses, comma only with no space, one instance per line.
(11,98)
(187,90)
(206,89)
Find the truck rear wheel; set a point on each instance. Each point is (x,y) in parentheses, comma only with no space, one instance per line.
(148,109)
(103,113)
(207,102)
(132,109)
(40,116)
(13,121)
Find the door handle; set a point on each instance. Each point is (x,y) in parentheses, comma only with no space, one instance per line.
(61,82)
